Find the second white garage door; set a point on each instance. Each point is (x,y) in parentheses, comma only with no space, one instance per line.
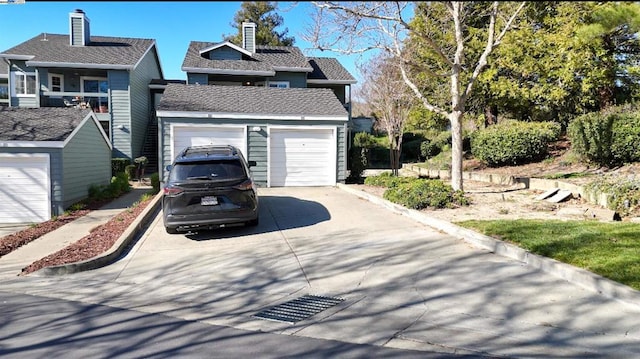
(184,136)
(24,188)
(302,157)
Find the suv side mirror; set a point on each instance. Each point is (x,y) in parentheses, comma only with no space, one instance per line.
(252,163)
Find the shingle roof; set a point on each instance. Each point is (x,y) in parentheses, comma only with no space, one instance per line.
(4,70)
(102,50)
(39,124)
(264,59)
(251,100)
(330,69)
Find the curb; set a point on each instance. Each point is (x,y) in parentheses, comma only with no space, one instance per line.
(575,275)
(116,250)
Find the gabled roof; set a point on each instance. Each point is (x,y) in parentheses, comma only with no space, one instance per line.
(328,70)
(103,52)
(228,44)
(4,70)
(264,62)
(255,102)
(39,124)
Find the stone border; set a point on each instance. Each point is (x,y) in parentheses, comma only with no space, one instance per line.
(116,250)
(575,275)
(541,184)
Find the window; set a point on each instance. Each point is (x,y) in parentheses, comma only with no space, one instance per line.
(279,84)
(94,84)
(24,83)
(56,83)
(4,92)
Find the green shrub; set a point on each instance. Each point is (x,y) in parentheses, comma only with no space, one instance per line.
(364,140)
(417,193)
(411,151)
(425,193)
(130,170)
(608,138)
(155,182)
(118,165)
(514,142)
(357,163)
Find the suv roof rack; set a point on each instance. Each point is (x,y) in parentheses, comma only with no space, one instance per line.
(206,151)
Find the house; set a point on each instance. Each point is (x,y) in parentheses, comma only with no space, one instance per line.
(49,157)
(110,75)
(286,111)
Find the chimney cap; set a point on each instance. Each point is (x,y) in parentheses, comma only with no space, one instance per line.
(79,11)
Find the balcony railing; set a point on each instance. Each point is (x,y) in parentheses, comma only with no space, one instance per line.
(98,102)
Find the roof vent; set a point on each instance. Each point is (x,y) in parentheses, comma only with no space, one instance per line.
(249,36)
(79,34)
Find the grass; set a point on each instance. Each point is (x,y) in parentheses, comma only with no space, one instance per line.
(607,249)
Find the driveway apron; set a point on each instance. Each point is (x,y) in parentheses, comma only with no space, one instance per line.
(403,284)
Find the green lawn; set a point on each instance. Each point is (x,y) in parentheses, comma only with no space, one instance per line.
(610,249)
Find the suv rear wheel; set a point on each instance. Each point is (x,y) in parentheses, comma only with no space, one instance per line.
(171,230)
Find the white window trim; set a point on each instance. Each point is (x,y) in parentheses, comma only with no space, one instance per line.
(278,83)
(15,81)
(51,76)
(82,78)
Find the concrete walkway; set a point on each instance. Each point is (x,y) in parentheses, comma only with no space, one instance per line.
(11,264)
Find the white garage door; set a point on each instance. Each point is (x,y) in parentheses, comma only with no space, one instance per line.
(302,157)
(184,136)
(24,188)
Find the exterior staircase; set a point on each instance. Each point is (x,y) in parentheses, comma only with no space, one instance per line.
(150,145)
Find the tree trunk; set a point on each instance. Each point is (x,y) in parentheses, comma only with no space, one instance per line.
(456,149)
(490,115)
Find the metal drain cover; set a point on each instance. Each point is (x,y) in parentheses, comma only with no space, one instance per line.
(298,309)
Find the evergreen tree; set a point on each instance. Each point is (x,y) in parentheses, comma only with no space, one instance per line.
(263,14)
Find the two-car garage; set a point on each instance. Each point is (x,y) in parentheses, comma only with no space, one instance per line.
(296,136)
(295,155)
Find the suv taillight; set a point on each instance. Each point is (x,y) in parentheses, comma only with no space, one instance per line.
(244,186)
(172,191)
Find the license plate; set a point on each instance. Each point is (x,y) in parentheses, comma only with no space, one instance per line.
(209,201)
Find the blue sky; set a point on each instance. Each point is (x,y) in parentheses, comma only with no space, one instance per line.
(173,24)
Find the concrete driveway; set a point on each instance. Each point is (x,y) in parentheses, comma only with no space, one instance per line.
(403,284)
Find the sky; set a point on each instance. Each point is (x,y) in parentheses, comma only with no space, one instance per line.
(173,24)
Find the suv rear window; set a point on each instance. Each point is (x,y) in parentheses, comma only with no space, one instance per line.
(208,170)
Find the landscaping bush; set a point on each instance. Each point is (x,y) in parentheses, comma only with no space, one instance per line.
(155,182)
(514,142)
(118,165)
(418,193)
(357,164)
(130,170)
(624,194)
(607,138)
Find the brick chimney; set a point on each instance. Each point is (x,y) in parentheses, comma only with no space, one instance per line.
(79,34)
(249,36)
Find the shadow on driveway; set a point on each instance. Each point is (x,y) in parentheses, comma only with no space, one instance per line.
(277,213)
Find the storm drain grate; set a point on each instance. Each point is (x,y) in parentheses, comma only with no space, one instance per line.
(298,309)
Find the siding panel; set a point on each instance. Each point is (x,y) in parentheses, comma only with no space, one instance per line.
(121,113)
(141,109)
(86,162)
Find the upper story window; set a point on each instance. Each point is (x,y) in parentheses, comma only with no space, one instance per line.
(279,84)
(4,92)
(94,84)
(24,83)
(56,83)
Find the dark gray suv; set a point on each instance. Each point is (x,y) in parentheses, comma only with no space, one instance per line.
(209,187)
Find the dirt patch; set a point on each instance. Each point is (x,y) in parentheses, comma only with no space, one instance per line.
(491,202)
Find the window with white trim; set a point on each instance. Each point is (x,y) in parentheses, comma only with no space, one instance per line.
(56,83)
(279,84)
(24,83)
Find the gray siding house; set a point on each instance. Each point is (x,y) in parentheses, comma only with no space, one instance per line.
(49,157)
(288,112)
(110,75)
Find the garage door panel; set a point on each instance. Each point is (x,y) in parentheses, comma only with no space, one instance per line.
(24,189)
(199,136)
(302,157)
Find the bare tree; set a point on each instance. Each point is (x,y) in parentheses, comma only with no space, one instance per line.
(386,93)
(356,27)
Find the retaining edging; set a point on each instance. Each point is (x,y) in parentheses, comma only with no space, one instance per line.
(116,250)
(575,275)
